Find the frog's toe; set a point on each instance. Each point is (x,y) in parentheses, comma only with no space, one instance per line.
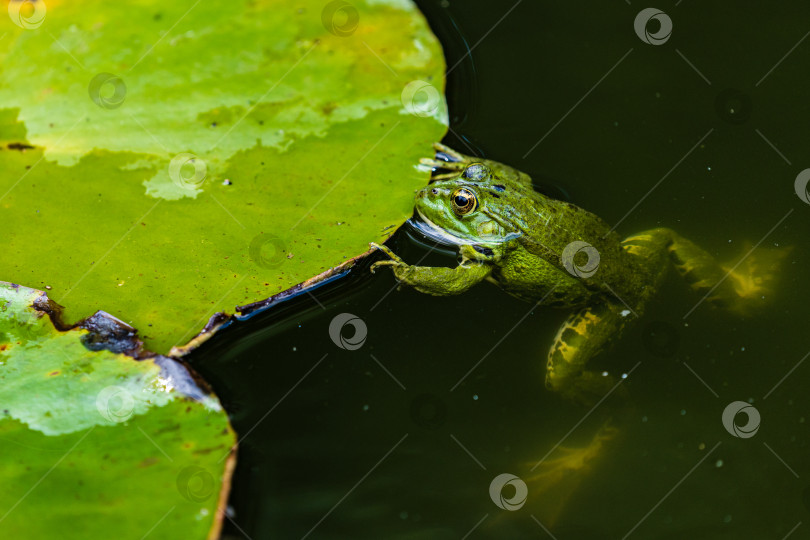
(385,249)
(445,176)
(373,267)
(448,152)
(440,164)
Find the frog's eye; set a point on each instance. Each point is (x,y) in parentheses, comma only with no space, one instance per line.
(464,201)
(476,172)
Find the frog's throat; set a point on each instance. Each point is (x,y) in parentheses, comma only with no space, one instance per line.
(438,234)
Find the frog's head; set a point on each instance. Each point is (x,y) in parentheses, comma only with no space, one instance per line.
(472,208)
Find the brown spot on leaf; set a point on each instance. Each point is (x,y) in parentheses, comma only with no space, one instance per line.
(19,146)
(148,462)
(328,108)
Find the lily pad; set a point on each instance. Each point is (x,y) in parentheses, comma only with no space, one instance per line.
(96,440)
(170,160)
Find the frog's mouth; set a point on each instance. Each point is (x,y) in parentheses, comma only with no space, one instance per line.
(432,231)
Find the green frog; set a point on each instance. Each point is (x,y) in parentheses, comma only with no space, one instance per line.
(553,253)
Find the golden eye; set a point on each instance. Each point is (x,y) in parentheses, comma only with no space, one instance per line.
(464,201)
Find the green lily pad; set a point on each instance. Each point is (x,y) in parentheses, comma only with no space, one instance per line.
(97,441)
(170,160)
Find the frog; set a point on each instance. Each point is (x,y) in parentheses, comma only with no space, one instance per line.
(555,254)
(552,253)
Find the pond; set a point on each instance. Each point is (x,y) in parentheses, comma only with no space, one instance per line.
(399,426)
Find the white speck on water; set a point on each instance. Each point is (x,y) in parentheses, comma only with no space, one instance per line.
(624,375)
(475,397)
(718,463)
(683,412)
(295,349)
(365,407)
(708,168)
(625,313)
(742,349)
(604,374)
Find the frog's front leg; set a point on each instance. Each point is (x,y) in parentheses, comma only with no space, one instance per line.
(438,281)
(582,336)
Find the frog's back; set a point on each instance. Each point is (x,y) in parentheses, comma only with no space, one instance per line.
(556,233)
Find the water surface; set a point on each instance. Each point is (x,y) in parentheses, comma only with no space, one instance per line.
(401,437)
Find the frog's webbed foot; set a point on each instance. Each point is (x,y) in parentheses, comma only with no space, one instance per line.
(439,164)
(447,164)
(373,267)
(446,159)
(445,151)
(738,285)
(754,277)
(558,476)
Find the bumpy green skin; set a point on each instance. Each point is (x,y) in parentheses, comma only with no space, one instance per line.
(517,239)
(519,236)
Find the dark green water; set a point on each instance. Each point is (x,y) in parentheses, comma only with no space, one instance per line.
(386,442)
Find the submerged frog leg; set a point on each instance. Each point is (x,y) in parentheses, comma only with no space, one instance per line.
(582,336)
(728,286)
